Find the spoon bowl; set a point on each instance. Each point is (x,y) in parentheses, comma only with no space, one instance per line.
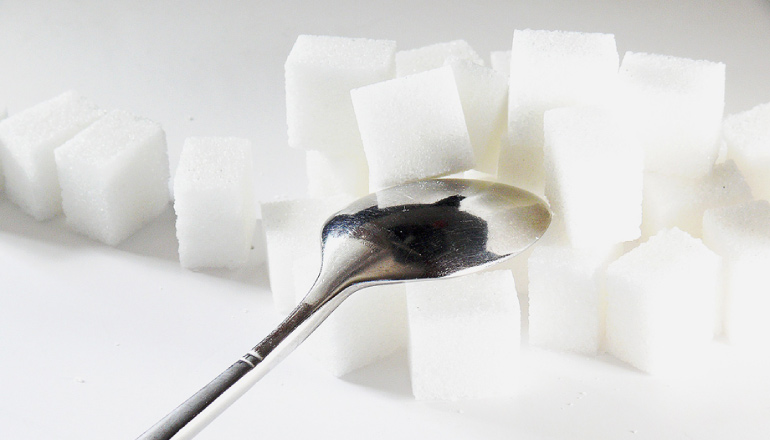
(422,230)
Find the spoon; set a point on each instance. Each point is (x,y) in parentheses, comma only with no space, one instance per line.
(421,230)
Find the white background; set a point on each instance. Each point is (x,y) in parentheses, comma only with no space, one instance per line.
(99,342)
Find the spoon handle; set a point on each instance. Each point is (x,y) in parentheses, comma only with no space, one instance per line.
(201,408)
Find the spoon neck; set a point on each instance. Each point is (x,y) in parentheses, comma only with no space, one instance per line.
(346,267)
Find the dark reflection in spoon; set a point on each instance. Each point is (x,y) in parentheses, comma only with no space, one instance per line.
(429,242)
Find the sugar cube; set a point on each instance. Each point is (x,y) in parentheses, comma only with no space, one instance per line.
(513,160)
(676,105)
(747,137)
(551,69)
(484,98)
(114,176)
(292,231)
(740,234)
(500,60)
(27,143)
(320,72)
(464,336)
(661,300)
(567,299)
(594,175)
(366,327)
(680,201)
(214,202)
(409,62)
(412,128)
(331,174)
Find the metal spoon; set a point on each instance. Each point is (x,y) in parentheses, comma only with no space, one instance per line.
(421,230)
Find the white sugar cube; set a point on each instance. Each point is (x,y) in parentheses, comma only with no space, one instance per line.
(741,235)
(484,98)
(464,336)
(293,231)
(320,72)
(114,176)
(676,105)
(412,128)
(747,137)
(513,160)
(331,174)
(594,175)
(661,300)
(500,60)
(366,327)
(567,299)
(409,62)
(551,69)
(214,202)
(680,201)
(27,143)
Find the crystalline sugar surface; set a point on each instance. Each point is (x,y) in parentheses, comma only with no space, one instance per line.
(464,336)
(114,176)
(661,301)
(214,202)
(409,62)
(676,105)
(27,143)
(413,128)
(320,72)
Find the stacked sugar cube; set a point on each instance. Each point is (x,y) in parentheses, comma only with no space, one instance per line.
(594,174)
(661,302)
(566,294)
(551,69)
(740,234)
(431,138)
(464,336)
(320,73)
(747,139)
(484,97)
(677,107)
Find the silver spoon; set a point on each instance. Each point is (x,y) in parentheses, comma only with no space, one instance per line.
(421,230)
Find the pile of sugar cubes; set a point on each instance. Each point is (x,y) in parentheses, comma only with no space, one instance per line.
(661,232)
(661,221)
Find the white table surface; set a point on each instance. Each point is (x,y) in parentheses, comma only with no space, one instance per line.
(99,342)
